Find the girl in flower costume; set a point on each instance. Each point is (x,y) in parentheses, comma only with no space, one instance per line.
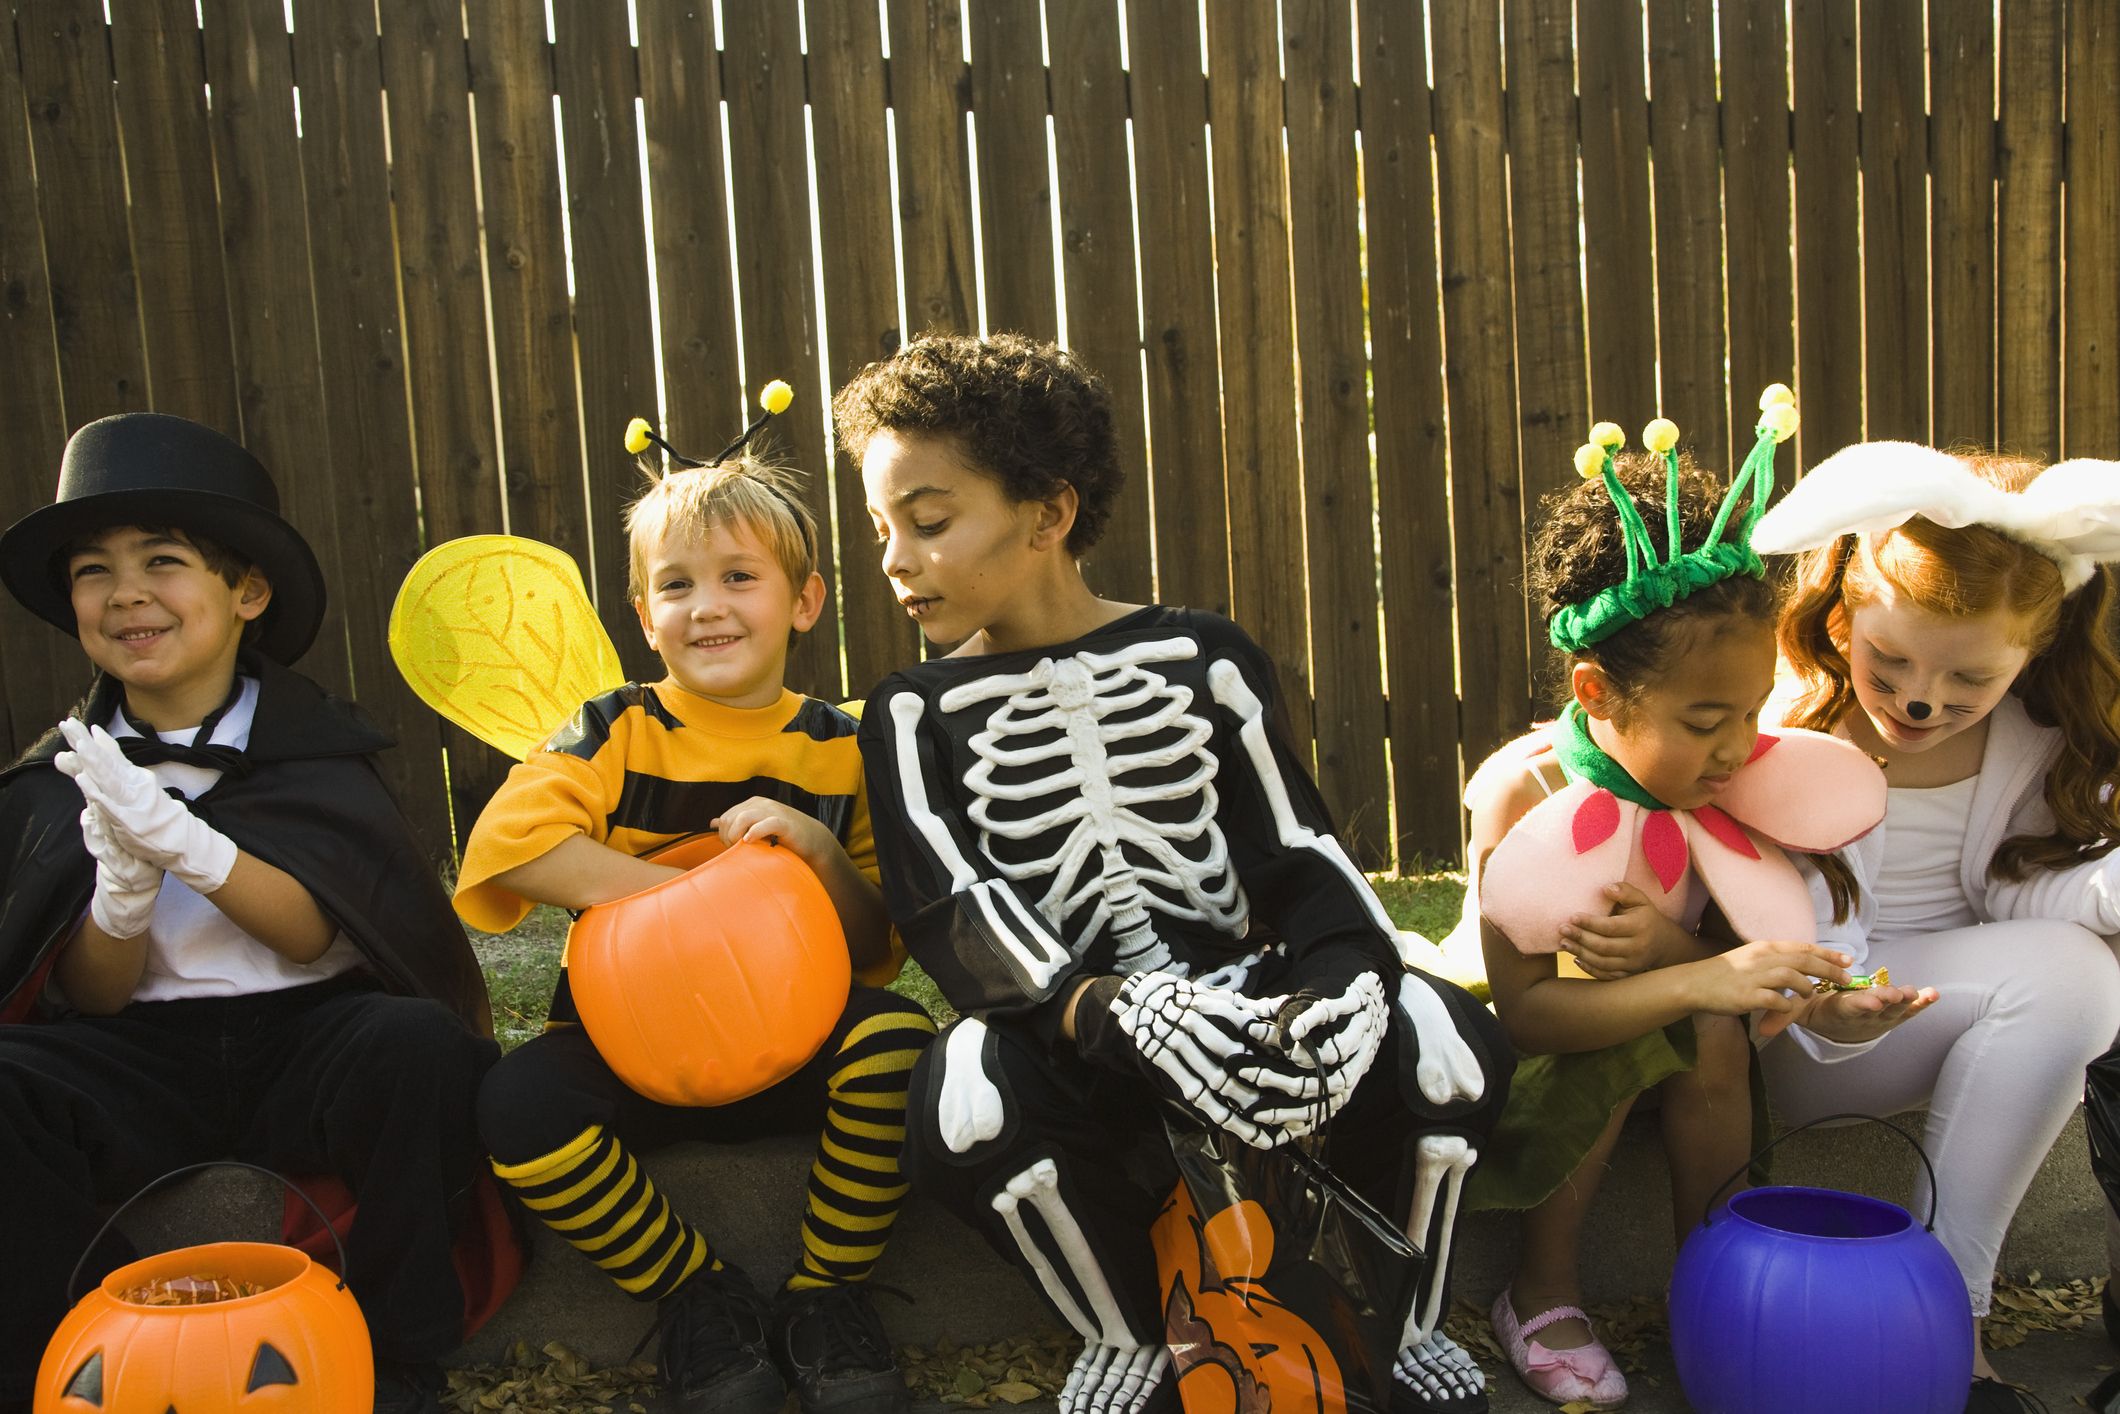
(1951,616)
(1643,834)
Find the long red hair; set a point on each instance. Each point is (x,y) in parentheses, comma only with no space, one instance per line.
(2071,682)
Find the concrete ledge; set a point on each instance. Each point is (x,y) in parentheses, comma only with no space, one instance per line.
(748,1201)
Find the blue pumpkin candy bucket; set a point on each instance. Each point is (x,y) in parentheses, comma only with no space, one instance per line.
(1816,1300)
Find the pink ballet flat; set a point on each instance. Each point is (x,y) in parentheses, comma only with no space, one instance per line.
(1563,1376)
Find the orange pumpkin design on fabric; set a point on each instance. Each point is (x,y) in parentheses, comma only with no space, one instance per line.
(298,1344)
(716,984)
(1236,1350)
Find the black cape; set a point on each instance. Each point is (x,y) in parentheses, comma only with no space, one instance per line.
(312,804)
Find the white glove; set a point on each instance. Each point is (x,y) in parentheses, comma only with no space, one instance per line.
(143,820)
(126,887)
(1340,1036)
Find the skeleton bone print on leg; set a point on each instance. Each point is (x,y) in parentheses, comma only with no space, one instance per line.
(1095,777)
(1118,1368)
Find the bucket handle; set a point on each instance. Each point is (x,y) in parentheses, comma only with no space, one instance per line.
(153,1184)
(1708,1217)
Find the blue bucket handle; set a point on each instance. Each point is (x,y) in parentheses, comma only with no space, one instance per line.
(1707,1218)
(97,1241)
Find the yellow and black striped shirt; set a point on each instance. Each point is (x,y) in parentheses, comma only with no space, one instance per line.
(640,766)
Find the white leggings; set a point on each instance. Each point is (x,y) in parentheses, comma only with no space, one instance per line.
(1998,1059)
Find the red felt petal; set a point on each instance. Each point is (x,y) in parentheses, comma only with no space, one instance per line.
(1664,846)
(1766,743)
(1595,820)
(1726,830)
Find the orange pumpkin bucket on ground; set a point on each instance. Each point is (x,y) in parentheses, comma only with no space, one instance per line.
(716,984)
(152,1338)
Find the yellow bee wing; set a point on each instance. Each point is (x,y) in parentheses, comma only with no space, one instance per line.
(497,634)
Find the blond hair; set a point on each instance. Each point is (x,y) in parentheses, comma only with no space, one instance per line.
(741,493)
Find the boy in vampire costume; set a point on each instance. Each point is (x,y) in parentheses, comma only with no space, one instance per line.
(231,942)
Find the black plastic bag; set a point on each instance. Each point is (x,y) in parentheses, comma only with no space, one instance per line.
(1283,1289)
(2101,1114)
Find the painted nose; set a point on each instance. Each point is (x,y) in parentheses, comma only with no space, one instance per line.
(1919,711)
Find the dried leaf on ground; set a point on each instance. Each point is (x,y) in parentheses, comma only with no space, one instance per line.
(2022,1307)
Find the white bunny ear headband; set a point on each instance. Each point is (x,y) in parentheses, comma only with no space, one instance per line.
(2071,513)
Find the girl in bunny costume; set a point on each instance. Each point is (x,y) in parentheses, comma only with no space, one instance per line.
(1952,617)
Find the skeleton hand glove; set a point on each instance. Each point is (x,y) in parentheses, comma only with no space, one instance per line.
(1337,1037)
(1211,1051)
(144,821)
(126,887)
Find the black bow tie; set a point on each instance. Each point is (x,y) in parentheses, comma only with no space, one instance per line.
(152,751)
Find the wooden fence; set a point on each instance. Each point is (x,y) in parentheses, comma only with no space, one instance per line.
(1355,294)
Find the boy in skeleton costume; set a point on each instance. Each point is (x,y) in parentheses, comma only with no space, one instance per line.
(1096,838)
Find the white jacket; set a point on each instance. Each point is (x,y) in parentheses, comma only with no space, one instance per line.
(2009,799)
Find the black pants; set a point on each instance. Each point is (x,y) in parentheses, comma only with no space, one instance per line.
(331,1078)
(1105,1134)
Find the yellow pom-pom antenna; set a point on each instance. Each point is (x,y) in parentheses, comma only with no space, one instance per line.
(1776,395)
(1589,460)
(639,437)
(1661,435)
(1608,436)
(1781,419)
(776,396)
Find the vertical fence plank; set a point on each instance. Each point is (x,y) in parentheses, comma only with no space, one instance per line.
(1479,367)
(594,67)
(1689,266)
(847,100)
(1619,245)
(2090,257)
(1828,254)
(2028,234)
(45,671)
(766,145)
(680,94)
(934,195)
(353,263)
(444,294)
(1097,262)
(1338,514)
(265,243)
(1178,302)
(540,438)
(1406,359)
(1762,292)
(1015,190)
(87,258)
(1895,237)
(1552,381)
(1260,444)
(1962,217)
(175,242)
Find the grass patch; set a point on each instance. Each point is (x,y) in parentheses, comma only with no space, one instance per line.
(522,966)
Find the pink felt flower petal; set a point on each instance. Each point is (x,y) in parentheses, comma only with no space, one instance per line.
(1815,793)
(1596,820)
(1536,880)
(1723,828)
(1664,846)
(1759,891)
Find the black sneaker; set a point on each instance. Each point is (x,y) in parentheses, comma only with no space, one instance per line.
(713,1357)
(408,1389)
(832,1345)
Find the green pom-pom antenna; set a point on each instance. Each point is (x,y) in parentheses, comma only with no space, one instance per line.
(1654,583)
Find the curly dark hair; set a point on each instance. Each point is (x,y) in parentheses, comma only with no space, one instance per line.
(1580,549)
(1031,415)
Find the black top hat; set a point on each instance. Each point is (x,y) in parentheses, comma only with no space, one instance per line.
(145,468)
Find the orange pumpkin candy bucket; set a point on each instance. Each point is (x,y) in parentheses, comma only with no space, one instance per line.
(224,1328)
(716,984)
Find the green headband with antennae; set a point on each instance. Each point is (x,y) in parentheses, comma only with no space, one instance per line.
(1652,584)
